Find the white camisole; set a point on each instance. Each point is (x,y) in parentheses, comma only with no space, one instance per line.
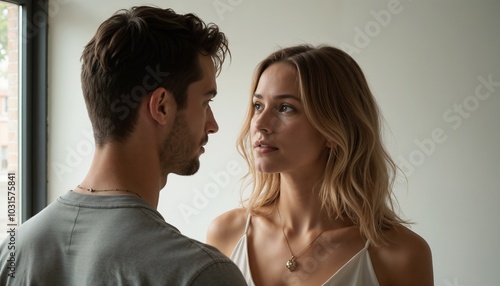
(357,271)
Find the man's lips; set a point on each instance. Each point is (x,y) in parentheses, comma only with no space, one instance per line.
(204,142)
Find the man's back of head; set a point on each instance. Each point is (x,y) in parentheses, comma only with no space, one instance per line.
(136,51)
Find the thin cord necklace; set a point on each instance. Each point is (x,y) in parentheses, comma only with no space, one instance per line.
(292,263)
(110,190)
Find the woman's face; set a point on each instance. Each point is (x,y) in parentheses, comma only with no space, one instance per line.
(284,141)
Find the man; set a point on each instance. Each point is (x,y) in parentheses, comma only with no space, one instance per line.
(148,76)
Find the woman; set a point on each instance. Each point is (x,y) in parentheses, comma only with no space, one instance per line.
(320,211)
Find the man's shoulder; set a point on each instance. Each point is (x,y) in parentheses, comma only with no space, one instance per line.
(212,267)
(199,263)
(180,245)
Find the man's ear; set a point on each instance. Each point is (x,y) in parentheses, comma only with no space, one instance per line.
(162,106)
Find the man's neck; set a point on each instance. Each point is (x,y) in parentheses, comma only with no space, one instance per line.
(125,167)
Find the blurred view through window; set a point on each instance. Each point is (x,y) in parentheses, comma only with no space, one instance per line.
(9,116)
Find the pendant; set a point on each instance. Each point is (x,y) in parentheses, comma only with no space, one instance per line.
(291,264)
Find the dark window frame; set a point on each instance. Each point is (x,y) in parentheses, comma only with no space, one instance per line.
(34,18)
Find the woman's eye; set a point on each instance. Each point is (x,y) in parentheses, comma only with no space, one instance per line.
(257,106)
(285,108)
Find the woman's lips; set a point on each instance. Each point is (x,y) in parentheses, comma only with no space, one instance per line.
(264,147)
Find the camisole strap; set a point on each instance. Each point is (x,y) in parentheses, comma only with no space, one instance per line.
(247,224)
(367,244)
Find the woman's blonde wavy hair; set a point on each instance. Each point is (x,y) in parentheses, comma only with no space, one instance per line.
(359,175)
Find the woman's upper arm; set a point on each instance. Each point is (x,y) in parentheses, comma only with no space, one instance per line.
(416,268)
(407,260)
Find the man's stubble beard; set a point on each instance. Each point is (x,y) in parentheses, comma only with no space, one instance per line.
(178,151)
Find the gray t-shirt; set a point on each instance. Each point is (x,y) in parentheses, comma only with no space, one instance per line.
(109,240)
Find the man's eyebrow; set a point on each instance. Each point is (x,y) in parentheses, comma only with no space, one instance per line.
(212,92)
(281,96)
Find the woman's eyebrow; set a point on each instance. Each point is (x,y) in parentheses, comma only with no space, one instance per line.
(281,96)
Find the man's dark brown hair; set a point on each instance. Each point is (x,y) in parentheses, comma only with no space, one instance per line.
(136,51)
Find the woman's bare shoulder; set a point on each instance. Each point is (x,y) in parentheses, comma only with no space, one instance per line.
(226,229)
(406,259)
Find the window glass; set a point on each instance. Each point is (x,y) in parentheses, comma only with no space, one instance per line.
(9,116)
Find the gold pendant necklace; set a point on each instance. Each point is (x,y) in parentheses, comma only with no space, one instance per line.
(292,263)
(110,190)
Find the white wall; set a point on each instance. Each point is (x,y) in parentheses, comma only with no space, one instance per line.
(426,66)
